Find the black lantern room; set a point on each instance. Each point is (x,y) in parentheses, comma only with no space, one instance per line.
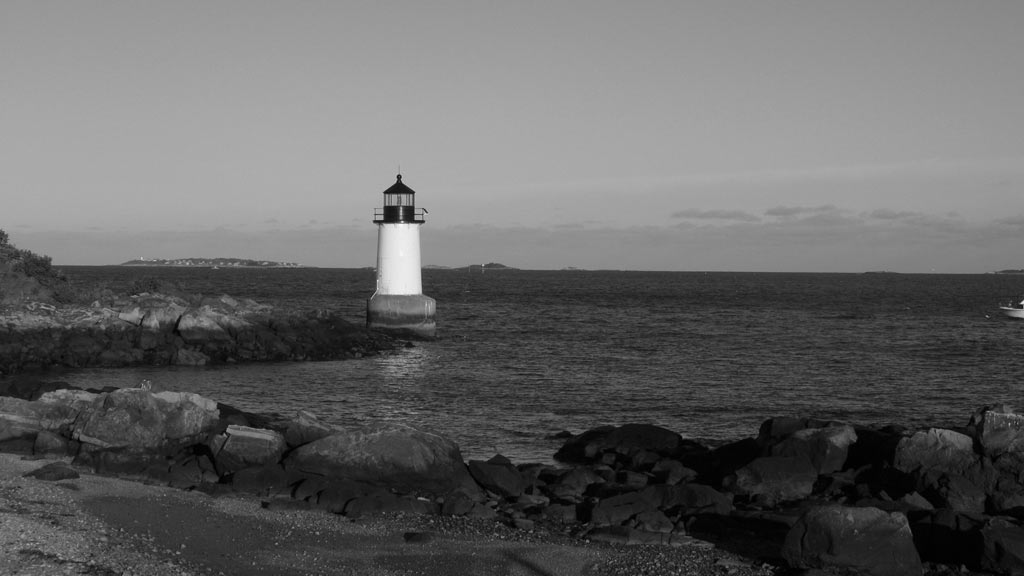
(399,206)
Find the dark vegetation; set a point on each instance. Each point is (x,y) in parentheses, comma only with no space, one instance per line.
(29,277)
(25,275)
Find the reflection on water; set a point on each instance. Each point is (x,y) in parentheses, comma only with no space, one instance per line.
(401,375)
(404,369)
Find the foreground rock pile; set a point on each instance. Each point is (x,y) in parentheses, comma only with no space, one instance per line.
(163,329)
(804,493)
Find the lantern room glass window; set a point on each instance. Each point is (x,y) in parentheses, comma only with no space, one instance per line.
(398,200)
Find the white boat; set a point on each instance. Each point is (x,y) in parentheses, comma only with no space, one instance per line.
(1014,309)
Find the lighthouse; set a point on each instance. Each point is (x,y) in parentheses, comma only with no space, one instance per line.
(399,305)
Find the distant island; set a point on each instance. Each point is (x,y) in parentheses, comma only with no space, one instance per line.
(472,267)
(1009,272)
(211,263)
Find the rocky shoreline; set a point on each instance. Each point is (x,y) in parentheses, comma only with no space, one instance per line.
(803,494)
(154,328)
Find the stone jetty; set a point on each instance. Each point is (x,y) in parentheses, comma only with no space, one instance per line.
(803,494)
(154,328)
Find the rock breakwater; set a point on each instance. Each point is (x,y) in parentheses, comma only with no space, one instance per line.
(803,493)
(164,329)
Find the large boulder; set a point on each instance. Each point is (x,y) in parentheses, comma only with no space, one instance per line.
(860,540)
(241,447)
(826,448)
(160,313)
(625,441)
(305,428)
(19,419)
(499,476)
(62,409)
(999,430)
(54,411)
(201,326)
(773,479)
(387,455)
(935,449)
(954,491)
(1002,547)
(693,499)
(570,486)
(189,415)
(618,509)
(138,419)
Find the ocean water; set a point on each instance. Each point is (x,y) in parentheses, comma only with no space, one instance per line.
(523,355)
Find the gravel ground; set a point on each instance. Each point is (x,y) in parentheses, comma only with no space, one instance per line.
(107,526)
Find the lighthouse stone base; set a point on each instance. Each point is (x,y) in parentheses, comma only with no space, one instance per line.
(401,313)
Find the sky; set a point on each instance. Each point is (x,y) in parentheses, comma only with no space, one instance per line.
(761,135)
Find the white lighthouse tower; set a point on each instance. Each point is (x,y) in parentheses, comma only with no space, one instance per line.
(399,305)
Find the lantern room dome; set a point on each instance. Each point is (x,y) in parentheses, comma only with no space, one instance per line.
(399,187)
(399,206)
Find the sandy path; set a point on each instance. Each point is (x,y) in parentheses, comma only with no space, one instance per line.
(106,526)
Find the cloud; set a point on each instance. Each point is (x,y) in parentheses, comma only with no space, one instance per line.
(729,215)
(790,211)
(1012,221)
(885,214)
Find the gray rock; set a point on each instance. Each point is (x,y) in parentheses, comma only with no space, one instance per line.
(916,501)
(826,448)
(668,471)
(773,479)
(389,455)
(305,428)
(626,440)
(138,419)
(653,521)
(502,479)
(571,485)
(999,430)
(457,503)
(617,509)
(200,326)
(161,313)
(565,513)
(19,419)
(954,492)
(862,540)
(935,449)
(49,443)
(1002,547)
(692,499)
(241,447)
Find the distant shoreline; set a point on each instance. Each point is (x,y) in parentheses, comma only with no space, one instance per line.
(210,263)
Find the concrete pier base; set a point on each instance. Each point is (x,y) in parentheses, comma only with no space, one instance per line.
(411,314)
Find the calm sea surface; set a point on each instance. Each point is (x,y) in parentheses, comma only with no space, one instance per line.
(521,355)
